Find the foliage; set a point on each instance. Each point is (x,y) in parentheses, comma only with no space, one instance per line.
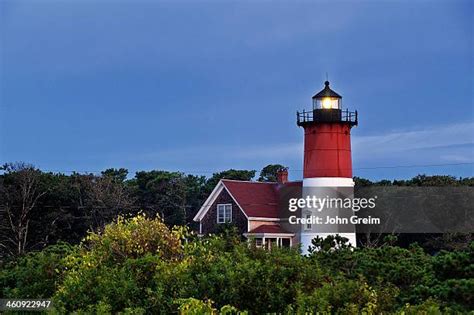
(243,275)
(229,174)
(331,242)
(448,276)
(269,173)
(20,192)
(118,175)
(139,265)
(58,207)
(192,306)
(131,238)
(428,307)
(127,265)
(345,296)
(35,275)
(163,193)
(46,208)
(195,196)
(419,180)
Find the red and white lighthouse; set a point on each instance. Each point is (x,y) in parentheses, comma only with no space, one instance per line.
(327,158)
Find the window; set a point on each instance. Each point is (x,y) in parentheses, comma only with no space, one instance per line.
(308,222)
(285,242)
(224,213)
(327,103)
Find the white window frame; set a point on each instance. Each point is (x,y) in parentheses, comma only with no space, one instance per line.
(308,226)
(224,206)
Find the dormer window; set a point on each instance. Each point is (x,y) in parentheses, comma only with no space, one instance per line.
(224,213)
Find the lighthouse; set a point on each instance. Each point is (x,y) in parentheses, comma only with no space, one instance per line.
(327,171)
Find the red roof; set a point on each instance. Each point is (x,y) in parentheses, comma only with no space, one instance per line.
(255,198)
(269,229)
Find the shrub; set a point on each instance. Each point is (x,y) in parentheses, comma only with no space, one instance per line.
(192,306)
(344,296)
(429,307)
(35,275)
(129,264)
(134,238)
(243,275)
(408,269)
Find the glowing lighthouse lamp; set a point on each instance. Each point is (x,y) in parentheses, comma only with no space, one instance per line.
(327,102)
(327,170)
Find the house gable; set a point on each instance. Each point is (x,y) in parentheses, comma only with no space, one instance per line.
(210,201)
(208,220)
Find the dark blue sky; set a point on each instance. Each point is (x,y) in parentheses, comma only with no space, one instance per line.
(202,87)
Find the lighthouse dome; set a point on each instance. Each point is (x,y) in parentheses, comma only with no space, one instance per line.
(326,92)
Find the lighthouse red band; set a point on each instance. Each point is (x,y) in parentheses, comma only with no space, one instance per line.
(327,150)
(327,156)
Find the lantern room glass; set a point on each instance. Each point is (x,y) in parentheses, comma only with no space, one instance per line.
(327,103)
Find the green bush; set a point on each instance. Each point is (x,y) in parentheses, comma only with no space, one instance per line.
(408,269)
(244,275)
(128,265)
(344,296)
(35,275)
(192,306)
(454,264)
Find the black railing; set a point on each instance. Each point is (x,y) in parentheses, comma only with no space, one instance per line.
(326,115)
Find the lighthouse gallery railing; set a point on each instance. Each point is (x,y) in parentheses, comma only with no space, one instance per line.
(321,115)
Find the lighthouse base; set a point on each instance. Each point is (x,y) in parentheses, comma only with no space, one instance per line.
(327,188)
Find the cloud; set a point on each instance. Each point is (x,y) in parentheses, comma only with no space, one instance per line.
(434,144)
(431,145)
(447,143)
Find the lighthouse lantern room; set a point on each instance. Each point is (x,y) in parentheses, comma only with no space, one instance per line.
(327,99)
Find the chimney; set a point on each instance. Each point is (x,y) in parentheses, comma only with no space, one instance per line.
(282,175)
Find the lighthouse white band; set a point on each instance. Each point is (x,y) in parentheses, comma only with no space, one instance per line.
(328,182)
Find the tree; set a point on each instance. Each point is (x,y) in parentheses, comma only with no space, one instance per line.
(229,174)
(118,175)
(269,173)
(163,193)
(19,194)
(109,197)
(38,209)
(424,180)
(360,182)
(194,195)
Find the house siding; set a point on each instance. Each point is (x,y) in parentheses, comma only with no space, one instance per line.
(209,221)
(253,224)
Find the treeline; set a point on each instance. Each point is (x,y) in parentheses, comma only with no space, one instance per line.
(41,208)
(419,180)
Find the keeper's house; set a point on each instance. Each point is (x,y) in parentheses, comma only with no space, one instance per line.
(252,207)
